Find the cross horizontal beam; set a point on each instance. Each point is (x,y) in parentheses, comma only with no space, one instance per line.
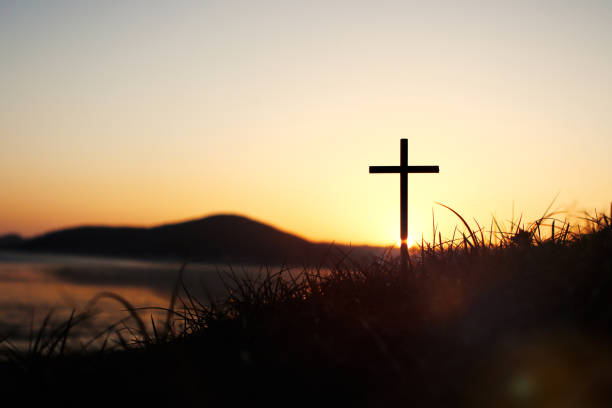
(404,169)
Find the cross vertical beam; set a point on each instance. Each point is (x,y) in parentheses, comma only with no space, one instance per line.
(404,207)
(404,191)
(403,169)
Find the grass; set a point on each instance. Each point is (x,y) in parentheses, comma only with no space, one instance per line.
(505,317)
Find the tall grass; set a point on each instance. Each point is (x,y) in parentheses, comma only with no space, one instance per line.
(361,331)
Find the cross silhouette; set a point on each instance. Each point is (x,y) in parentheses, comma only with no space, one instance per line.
(403,169)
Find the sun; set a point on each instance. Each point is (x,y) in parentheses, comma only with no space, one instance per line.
(409,242)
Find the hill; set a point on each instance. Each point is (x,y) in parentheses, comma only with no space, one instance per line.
(218,238)
(524,322)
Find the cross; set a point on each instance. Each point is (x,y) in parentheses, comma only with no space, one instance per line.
(403,169)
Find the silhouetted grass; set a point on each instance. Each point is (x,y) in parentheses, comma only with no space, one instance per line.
(517,316)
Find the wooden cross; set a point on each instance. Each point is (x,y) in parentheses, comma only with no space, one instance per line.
(403,169)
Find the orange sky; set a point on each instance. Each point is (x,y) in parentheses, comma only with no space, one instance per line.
(139,114)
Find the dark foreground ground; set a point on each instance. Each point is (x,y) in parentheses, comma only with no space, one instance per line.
(523,323)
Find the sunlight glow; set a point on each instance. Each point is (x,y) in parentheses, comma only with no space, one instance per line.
(277,113)
(410,242)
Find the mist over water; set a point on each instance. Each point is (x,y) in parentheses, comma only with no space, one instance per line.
(32,285)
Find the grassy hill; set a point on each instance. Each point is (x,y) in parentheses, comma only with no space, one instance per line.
(525,322)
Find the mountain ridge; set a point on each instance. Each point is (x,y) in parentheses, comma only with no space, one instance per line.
(214,238)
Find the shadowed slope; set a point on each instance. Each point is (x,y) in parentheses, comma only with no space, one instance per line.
(521,323)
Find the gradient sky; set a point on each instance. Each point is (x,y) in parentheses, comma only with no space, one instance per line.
(142,112)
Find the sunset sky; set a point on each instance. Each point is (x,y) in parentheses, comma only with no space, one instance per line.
(143,112)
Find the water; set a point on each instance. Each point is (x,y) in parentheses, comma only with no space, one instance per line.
(32,285)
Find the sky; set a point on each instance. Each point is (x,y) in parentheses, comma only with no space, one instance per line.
(145,112)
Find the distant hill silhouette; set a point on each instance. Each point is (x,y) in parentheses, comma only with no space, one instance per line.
(10,239)
(218,238)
